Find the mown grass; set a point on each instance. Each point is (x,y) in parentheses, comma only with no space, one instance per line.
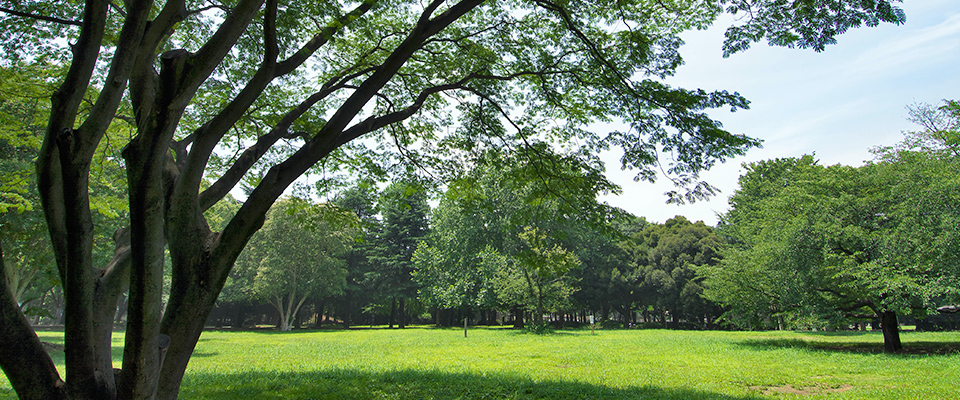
(427,363)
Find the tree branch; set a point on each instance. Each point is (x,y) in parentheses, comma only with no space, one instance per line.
(208,136)
(28,367)
(250,216)
(253,153)
(321,38)
(41,17)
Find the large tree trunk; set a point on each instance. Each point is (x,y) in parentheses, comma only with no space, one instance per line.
(517,317)
(27,366)
(161,209)
(891,332)
(193,293)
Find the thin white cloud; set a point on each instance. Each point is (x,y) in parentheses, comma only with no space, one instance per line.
(838,103)
(917,48)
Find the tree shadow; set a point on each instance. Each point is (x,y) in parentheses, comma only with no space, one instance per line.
(337,329)
(410,384)
(839,333)
(910,348)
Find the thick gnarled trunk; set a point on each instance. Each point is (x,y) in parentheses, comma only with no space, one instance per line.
(891,332)
(165,208)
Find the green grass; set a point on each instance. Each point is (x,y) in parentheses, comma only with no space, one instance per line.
(425,363)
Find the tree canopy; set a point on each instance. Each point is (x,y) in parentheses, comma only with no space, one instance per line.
(827,245)
(665,258)
(297,255)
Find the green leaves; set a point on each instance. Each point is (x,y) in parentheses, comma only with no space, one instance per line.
(297,253)
(822,242)
(802,23)
(543,259)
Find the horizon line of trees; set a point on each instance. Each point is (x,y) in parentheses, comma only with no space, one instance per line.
(803,246)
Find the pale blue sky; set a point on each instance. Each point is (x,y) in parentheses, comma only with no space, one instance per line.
(838,103)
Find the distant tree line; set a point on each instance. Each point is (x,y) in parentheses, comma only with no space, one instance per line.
(505,244)
(803,246)
(519,238)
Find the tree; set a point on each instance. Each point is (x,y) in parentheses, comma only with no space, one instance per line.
(470,230)
(314,77)
(449,266)
(297,255)
(923,170)
(602,279)
(403,207)
(543,268)
(665,258)
(820,245)
(474,258)
(360,200)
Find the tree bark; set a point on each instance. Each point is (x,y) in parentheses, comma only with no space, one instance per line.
(109,289)
(192,298)
(27,366)
(891,332)
(517,317)
(146,159)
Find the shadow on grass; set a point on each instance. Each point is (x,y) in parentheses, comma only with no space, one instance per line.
(408,384)
(334,330)
(909,348)
(270,330)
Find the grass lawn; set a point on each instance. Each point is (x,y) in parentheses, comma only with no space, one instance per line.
(427,363)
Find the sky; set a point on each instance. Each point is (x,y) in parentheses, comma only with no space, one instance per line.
(836,104)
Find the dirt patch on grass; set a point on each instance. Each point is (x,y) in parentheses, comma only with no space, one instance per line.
(801,390)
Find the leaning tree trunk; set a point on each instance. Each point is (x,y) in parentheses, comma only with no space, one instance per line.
(163,201)
(27,366)
(891,332)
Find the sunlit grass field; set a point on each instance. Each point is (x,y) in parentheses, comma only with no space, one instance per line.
(428,363)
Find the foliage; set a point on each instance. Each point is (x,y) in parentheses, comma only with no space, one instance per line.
(544,267)
(31,273)
(359,200)
(665,258)
(604,278)
(403,208)
(813,24)
(296,256)
(817,245)
(479,256)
